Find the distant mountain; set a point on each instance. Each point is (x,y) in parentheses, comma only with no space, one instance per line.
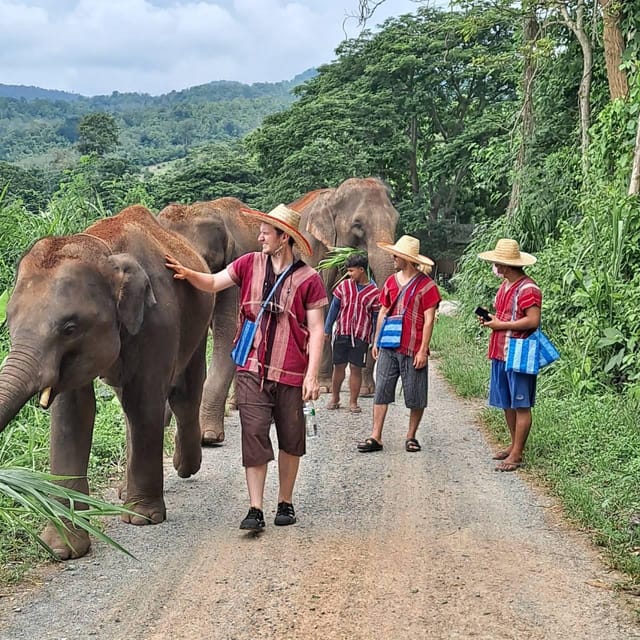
(216,90)
(19,91)
(36,124)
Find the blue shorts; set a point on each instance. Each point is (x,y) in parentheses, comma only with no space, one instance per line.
(509,389)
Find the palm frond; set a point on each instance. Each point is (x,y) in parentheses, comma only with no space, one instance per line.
(37,494)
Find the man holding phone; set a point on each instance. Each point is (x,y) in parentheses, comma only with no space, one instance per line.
(518,305)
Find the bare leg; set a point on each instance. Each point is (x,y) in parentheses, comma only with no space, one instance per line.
(379,414)
(415,415)
(287,470)
(256,477)
(339,371)
(510,419)
(355,382)
(519,437)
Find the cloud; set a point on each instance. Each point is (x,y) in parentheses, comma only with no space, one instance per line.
(155,46)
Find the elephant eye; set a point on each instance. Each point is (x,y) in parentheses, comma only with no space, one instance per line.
(68,327)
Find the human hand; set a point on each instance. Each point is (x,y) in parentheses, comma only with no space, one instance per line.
(310,388)
(374,352)
(420,360)
(174,265)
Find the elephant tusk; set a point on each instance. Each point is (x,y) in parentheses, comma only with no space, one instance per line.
(44,397)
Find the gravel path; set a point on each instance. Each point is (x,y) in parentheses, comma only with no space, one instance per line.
(388,545)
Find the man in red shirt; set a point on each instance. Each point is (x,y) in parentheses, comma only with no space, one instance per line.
(414,295)
(281,370)
(518,305)
(354,308)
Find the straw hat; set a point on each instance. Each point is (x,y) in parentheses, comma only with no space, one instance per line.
(508,252)
(407,248)
(286,220)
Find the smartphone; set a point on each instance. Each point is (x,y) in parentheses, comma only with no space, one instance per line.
(483,313)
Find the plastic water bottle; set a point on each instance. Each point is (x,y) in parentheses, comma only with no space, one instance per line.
(311,423)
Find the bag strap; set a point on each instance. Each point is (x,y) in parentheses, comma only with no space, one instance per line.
(515,298)
(401,292)
(264,304)
(522,285)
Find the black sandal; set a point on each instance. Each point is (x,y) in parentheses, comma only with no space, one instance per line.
(412,445)
(369,445)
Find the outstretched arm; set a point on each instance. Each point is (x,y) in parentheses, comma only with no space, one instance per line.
(204,281)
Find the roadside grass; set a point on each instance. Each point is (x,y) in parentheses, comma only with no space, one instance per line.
(584,449)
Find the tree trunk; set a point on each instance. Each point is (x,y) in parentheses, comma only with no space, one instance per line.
(634,184)
(577,26)
(613,49)
(413,157)
(531,32)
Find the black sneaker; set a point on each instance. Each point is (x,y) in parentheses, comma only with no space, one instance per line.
(286,514)
(254,520)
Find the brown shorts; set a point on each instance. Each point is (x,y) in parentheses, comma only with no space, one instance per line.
(275,402)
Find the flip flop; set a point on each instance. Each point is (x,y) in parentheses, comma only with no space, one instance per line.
(355,410)
(332,406)
(509,466)
(369,445)
(412,445)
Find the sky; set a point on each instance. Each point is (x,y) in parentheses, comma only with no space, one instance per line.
(95,47)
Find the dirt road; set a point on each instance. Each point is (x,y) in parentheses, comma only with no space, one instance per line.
(389,545)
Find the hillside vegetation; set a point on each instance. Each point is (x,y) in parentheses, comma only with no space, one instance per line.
(35,123)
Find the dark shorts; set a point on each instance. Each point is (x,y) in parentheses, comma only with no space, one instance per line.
(344,352)
(509,389)
(275,402)
(415,382)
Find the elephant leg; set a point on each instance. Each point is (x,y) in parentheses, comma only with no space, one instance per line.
(221,369)
(184,400)
(144,406)
(72,418)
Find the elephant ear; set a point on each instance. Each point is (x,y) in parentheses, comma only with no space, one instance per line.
(320,219)
(133,291)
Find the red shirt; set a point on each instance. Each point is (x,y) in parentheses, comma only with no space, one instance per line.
(529,295)
(356,309)
(415,301)
(280,346)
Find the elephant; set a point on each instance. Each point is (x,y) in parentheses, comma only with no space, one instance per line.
(358,213)
(101,304)
(220,234)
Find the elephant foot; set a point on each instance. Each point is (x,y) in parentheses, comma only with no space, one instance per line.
(187,465)
(145,512)
(75,545)
(367,391)
(212,438)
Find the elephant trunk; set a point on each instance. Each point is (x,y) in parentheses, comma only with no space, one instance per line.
(19,380)
(381,263)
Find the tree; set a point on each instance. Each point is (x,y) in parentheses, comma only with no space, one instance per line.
(97,133)
(614,49)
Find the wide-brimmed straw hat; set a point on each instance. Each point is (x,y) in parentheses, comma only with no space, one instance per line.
(285,219)
(407,248)
(508,252)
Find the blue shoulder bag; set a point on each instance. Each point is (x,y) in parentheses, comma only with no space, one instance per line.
(243,346)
